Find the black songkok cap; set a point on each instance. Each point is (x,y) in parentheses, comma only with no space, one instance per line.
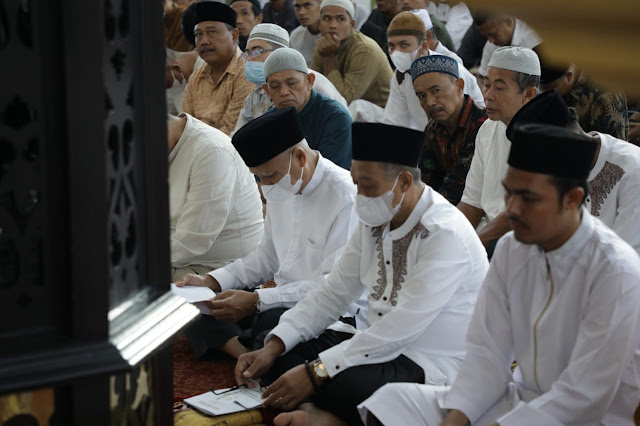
(546,108)
(552,150)
(386,144)
(205,11)
(267,136)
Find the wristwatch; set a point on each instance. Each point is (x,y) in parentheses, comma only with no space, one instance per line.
(319,372)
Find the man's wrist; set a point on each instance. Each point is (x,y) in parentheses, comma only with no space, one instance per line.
(275,347)
(212,283)
(256,302)
(455,418)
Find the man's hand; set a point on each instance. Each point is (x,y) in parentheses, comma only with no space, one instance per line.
(328,45)
(254,364)
(289,390)
(200,281)
(455,418)
(233,305)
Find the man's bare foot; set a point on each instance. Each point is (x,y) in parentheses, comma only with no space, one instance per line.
(234,348)
(293,418)
(308,414)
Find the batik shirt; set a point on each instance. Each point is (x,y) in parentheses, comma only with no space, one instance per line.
(599,110)
(446,159)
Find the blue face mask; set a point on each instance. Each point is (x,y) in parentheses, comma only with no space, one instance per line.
(254,72)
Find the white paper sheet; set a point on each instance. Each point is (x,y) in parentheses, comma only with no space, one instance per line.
(196,295)
(230,402)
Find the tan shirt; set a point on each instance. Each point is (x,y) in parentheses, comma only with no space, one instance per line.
(218,103)
(363,70)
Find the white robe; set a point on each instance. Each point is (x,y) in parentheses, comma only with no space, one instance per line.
(584,368)
(303,238)
(457,19)
(304,42)
(614,188)
(214,204)
(422,280)
(483,188)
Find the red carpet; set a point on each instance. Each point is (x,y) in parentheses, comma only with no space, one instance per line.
(193,377)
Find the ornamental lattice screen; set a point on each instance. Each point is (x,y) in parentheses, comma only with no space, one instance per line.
(84,253)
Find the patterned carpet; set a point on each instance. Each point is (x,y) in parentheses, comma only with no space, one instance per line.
(192,377)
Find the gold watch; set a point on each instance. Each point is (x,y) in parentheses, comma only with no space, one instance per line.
(319,372)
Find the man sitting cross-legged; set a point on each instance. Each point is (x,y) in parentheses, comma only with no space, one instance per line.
(562,296)
(421,264)
(309,219)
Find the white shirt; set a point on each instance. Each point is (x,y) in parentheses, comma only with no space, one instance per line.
(258,102)
(303,237)
(614,188)
(304,42)
(586,371)
(214,203)
(422,280)
(441,49)
(523,36)
(403,106)
(457,19)
(483,188)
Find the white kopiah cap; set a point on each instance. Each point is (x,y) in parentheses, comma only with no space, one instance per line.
(345,4)
(518,59)
(270,32)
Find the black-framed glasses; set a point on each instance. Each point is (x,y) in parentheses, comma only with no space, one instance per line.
(254,53)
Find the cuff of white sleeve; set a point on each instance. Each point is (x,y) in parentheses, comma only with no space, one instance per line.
(267,298)
(525,415)
(225,278)
(334,360)
(287,333)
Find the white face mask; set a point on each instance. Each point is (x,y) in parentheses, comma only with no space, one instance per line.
(403,60)
(283,190)
(377,210)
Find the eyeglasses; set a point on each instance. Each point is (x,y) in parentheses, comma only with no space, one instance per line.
(254,53)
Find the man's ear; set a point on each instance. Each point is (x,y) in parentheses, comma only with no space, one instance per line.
(311,78)
(424,49)
(235,35)
(460,85)
(573,198)
(301,156)
(405,180)
(353,24)
(530,93)
(266,89)
(259,19)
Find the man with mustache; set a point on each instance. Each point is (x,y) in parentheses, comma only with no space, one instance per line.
(512,80)
(454,121)
(562,296)
(216,91)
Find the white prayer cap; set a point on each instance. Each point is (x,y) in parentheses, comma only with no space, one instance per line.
(518,59)
(424,15)
(270,32)
(345,4)
(283,60)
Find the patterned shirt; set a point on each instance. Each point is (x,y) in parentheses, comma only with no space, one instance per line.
(446,159)
(599,110)
(218,103)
